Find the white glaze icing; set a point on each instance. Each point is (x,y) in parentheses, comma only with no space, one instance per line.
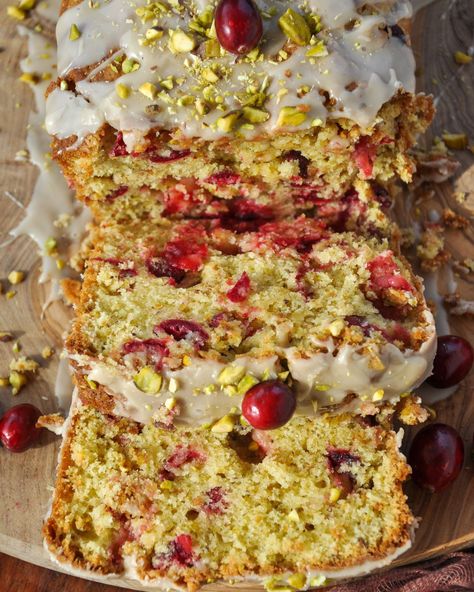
(51,199)
(380,64)
(325,378)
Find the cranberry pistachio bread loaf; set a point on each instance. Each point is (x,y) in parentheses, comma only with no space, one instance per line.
(316,95)
(295,507)
(201,313)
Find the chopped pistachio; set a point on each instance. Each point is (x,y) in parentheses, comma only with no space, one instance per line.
(211,48)
(231,390)
(148,381)
(4,381)
(74,33)
(462,58)
(16,13)
(185,100)
(60,263)
(224,425)
(209,389)
(297,581)
(321,387)
(47,352)
(29,78)
(255,115)
(319,49)
(455,141)
(317,581)
(129,65)
(154,34)
(173,385)
(378,395)
(209,75)
(63,85)
(167,83)
(166,485)
(16,347)
(230,375)
(295,27)
(10,294)
(181,42)
(293,516)
(16,277)
(122,90)
(27,4)
(334,494)
(149,90)
(317,122)
(91,384)
(227,122)
(246,383)
(186,360)
(171,403)
(336,327)
(17,380)
(291,116)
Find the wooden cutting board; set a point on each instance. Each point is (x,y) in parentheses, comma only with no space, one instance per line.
(440,29)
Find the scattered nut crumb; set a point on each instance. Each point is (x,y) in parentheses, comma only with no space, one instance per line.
(17,381)
(24,364)
(455,141)
(431,251)
(462,58)
(16,277)
(10,294)
(4,381)
(453,220)
(53,422)
(47,352)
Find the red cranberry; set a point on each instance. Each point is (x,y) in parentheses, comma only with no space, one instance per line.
(182,329)
(180,552)
(364,156)
(239,25)
(154,156)
(241,289)
(269,405)
(436,456)
(452,362)
(159,267)
(18,430)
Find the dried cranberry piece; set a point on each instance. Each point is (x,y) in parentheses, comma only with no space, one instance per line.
(187,253)
(173,155)
(180,552)
(244,215)
(182,329)
(336,457)
(116,262)
(116,193)
(239,26)
(119,148)
(154,349)
(300,234)
(123,536)
(215,502)
(159,267)
(241,290)
(180,457)
(223,179)
(385,273)
(364,155)
(303,162)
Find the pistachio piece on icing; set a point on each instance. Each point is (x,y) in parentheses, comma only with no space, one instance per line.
(230,375)
(295,27)
(291,116)
(319,49)
(148,381)
(227,122)
(129,65)
(246,383)
(181,42)
(255,115)
(149,90)
(378,395)
(122,90)
(297,581)
(224,425)
(74,33)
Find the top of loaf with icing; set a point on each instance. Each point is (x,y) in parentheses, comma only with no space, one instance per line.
(335,58)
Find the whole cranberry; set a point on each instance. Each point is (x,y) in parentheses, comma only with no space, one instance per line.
(17,427)
(268,405)
(436,456)
(238,25)
(452,363)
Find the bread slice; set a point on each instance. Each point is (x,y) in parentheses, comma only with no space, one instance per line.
(317,499)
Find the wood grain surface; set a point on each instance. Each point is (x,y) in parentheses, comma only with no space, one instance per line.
(440,29)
